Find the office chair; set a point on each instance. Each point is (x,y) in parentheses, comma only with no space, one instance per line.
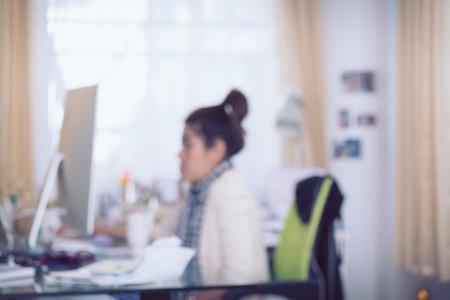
(305,265)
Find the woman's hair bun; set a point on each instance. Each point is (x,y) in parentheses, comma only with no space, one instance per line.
(238,103)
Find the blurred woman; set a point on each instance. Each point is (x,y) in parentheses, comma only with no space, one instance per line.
(220,217)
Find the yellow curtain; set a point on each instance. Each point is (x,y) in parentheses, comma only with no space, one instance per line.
(16,151)
(300,53)
(423,196)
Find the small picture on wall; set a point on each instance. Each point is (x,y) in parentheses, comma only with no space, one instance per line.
(350,148)
(344,118)
(358,81)
(367,120)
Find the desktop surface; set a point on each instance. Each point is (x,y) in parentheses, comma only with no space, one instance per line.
(40,288)
(45,285)
(160,289)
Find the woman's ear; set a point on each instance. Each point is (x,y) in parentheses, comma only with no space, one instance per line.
(218,150)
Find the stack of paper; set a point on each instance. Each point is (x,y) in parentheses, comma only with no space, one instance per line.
(15,275)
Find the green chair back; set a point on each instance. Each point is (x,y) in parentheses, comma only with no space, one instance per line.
(292,258)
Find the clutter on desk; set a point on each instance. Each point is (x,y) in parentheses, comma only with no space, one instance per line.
(11,273)
(163,260)
(54,259)
(132,194)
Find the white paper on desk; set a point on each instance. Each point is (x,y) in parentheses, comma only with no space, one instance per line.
(70,277)
(11,272)
(164,260)
(17,282)
(161,263)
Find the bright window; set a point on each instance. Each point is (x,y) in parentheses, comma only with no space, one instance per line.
(156,61)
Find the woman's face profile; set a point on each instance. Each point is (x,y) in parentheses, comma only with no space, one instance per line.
(197,161)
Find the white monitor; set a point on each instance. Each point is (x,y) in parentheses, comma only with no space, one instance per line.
(72,166)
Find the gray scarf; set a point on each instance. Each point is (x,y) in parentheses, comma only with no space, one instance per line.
(191,219)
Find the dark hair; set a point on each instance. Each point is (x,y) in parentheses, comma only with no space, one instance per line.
(222,121)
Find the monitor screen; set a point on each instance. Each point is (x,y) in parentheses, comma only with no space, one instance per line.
(72,166)
(75,189)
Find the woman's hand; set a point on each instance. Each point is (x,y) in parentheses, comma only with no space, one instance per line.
(118,231)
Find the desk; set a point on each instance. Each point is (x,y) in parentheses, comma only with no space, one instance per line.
(147,291)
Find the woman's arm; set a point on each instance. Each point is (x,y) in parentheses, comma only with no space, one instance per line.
(118,232)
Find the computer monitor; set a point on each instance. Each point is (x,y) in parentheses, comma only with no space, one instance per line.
(72,166)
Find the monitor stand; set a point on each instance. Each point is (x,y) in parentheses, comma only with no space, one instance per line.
(44,199)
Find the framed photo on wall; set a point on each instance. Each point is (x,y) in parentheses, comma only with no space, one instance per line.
(349,148)
(367,120)
(358,82)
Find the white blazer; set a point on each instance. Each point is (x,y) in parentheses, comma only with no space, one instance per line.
(231,246)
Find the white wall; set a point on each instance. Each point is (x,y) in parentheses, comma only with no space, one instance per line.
(362,35)
(355,39)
